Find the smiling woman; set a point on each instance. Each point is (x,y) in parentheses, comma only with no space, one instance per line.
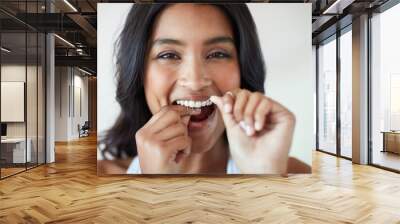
(190,83)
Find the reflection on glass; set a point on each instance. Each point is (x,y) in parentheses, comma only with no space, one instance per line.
(327,97)
(23,90)
(31,101)
(346,94)
(386,89)
(41,99)
(13,87)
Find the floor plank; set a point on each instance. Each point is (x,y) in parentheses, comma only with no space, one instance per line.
(69,191)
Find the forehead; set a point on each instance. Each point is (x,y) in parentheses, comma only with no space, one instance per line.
(191,21)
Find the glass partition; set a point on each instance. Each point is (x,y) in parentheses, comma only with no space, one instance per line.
(31,84)
(385,89)
(22,64)
(31,100)
(41,91)
(13,108)
(327,96)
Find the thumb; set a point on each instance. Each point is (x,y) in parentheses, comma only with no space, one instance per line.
(226,114)
(185,120)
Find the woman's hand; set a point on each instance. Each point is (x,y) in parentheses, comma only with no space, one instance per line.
(259,130)
(163,141)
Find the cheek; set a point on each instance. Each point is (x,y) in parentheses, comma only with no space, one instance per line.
(157,85)
(226,77)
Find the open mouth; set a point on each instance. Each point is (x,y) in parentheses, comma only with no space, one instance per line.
(207,108)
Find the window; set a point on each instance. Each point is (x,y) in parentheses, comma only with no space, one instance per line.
(385,88)
(346,94)
(327,97)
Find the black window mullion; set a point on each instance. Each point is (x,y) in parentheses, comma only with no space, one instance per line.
(338,74)
(369,91)
(37,89)
(26,87)
(317,95)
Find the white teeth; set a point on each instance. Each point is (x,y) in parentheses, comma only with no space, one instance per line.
(194,104)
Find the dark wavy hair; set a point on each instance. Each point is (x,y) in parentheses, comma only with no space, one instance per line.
(119,141)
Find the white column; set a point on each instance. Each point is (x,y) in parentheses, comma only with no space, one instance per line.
(50,100)
(360,90)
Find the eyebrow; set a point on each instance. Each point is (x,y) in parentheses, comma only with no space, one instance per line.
(214,40)
(167,41)
(221,39)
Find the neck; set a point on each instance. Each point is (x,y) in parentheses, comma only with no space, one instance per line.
(212,161)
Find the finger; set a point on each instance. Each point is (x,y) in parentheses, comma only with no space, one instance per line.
(185,111)
(185,120)
(173,131)
(169,118)
(261,113)
(181,110)
(279,114)
(227,117)
(175,114)
(250,108)
(228,100)
(176,145)
(240,101)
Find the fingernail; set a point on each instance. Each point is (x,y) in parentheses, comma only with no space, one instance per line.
(249,130)
(258,126)
(246,128)
(242,124)
(227,108)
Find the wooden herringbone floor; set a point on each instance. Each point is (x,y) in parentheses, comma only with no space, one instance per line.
(70,191)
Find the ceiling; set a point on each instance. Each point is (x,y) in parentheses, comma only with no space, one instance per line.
(76,23)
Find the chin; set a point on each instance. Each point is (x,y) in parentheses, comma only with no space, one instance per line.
(198,146)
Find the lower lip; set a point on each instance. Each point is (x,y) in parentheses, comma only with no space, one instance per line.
(198,126)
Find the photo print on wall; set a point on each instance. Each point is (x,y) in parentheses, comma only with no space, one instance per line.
(190,88)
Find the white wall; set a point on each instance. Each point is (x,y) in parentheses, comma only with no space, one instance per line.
(67,115)
(61,103)
(285,36)
(33,126)
(80,84)
(12,73)
(107,33)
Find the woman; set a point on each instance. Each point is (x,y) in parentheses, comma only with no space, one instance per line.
(190,85)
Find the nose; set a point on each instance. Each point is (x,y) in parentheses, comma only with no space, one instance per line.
(193,75)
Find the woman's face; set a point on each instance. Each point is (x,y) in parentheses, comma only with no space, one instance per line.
(191,57)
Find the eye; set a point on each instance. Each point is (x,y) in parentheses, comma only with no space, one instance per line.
(168,56)
(218,55)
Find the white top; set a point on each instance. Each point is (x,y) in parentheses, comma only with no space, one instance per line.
(134,167)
